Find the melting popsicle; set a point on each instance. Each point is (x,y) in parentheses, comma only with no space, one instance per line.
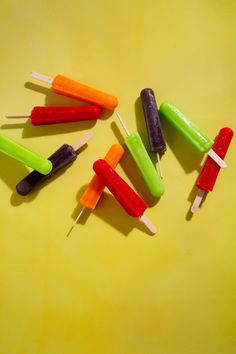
(197,138)
(153,123)
(68,87)
(124,194)
(24,155)
(96,186)
(59,114)
(207,178)
(62,157)
(143,161)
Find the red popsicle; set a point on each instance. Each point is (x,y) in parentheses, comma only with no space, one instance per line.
(209,173)
(61,114)
(124,194)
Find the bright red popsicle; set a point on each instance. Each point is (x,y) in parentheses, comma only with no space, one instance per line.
(61,114)
(209,173)
(124,194)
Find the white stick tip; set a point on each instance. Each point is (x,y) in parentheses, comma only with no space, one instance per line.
(197,200)
(41,77)
(159,165)
(149,224)
(83,141)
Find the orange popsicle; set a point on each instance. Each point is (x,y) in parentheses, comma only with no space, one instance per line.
(68,87)
(95,188)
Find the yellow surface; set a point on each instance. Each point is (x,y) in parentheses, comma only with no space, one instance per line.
(110,288)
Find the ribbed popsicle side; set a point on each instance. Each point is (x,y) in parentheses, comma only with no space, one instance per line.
(24,155)
(153,123)
(211,169)
(71,88)
(197,138)
(95,188)
(124,194)
(64,114)
(145,165)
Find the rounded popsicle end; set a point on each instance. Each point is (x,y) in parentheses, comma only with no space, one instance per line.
(45,167)
(111,103)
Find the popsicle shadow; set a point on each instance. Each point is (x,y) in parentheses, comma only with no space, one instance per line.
(17,199)
(191,198)
(132,172)
(11,171)
(109,210)
(186,155)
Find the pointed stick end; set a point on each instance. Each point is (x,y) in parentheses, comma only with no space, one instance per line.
(152,228)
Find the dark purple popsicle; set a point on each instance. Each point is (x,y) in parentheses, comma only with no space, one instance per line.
(63,156)
(153,123)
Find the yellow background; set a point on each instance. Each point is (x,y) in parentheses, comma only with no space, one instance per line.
(110,288)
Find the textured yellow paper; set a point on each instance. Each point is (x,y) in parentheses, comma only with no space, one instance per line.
(110,288)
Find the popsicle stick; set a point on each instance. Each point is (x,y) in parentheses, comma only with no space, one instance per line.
(149,224)
(76,220)
(123,124)
(17,116)
(83,141)
(197,200)
(41,77)
(217,158)
(159,165)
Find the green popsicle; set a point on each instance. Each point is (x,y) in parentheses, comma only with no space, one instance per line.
(186,128)
(144,163)
(24,155)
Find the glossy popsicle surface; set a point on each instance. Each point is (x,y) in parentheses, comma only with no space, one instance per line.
(95,188)
(145,165)
(24,155)
(63,156)
(209,173)
(197,138)
(68,87)
(59,114)
(124,194)
(153,123)
(60,158)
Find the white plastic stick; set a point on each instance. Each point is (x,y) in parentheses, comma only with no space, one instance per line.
(217,158)
(76,220)
(159,165)
(197,200)
(148,223)
(17,116)
(41,77)
(83,141)
(123,124)
(78,216)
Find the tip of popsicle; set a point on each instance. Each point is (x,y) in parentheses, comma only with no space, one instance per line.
(152,228)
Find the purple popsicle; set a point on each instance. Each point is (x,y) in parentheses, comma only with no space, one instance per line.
(153,123)
(60,158)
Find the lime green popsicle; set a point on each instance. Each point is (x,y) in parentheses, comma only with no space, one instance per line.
(143,161)
(24,155)
(185,127)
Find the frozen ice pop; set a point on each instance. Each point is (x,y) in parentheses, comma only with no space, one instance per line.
(207,178)
(143,161)
(95,188)
(61,114)
(24,155)
(153,123)
(62,157)
(68,87)
(197,138)
(124,194)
